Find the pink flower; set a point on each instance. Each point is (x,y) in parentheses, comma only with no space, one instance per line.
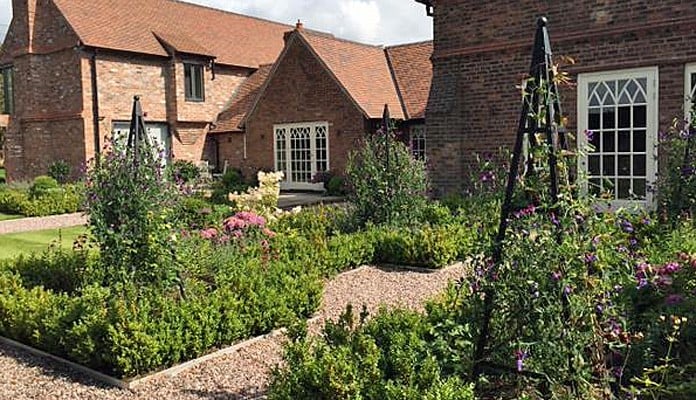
(234,223)
(209,233)
(268,232)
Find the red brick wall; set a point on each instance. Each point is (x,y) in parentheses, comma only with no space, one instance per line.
(53,117)
(300,91)
(483,49)
(47,124)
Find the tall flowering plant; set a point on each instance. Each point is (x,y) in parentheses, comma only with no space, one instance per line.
(677,181)
(130,208)
(262,200)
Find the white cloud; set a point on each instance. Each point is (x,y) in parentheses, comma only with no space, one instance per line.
(369,21)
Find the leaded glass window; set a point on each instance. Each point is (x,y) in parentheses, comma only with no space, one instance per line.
(617,113)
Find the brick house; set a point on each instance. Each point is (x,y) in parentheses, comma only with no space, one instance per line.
(635,66)
(70,69)
(304,113)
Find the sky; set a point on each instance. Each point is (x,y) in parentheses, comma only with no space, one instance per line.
(385,22)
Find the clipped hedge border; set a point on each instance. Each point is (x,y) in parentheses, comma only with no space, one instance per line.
(89,328)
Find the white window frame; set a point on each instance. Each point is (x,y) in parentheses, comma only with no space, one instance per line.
(288,183)
(689,69)
(652,125)
(120,130)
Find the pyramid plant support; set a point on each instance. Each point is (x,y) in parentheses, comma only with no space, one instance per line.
(137,133)
(386,120)
(541,115)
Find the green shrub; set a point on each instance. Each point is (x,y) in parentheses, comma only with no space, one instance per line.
(52,303)
(184,171)
(380,195)
(432,247)
(11,201)
(348,251)
(196,213)
(42,185)
(60,171)
(68,198)
(315,222)
(57,270)
(232,181)
(336,186)
(386,358)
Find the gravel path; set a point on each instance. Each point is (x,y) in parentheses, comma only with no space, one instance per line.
(236,376)
(41,223)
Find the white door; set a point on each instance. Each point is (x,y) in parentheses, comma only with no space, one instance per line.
(157,133)
(619,110)
(301,151)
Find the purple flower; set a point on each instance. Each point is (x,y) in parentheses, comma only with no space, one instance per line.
(520,356)
(556,276)
(567,290)
(589,135)
(642,283)
(590,258)
(555,220)
(626,226)
(674,299)
(669,268)
(599,309)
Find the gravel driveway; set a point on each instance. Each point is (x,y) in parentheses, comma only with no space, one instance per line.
(239,375)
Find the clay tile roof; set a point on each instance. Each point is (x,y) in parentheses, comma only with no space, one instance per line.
(361,69)
(413,73)
(182,44)
(128,25)
(232,115)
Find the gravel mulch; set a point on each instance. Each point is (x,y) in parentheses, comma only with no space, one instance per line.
(235,376)
(41,223)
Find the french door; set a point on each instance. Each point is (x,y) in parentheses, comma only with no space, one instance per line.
(301,150)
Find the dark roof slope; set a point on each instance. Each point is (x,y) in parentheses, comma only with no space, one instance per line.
(131,25)
(413,74)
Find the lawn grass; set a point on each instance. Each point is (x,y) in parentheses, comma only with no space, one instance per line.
(14,244)
(5,217)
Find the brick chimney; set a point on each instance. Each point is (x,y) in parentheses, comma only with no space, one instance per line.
(299,27)
(21,33)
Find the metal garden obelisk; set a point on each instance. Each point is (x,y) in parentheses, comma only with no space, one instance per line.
(540,117)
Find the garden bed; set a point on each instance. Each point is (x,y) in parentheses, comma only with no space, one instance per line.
(241,373)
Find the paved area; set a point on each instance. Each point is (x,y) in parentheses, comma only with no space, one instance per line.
(291,199)
(42,223)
